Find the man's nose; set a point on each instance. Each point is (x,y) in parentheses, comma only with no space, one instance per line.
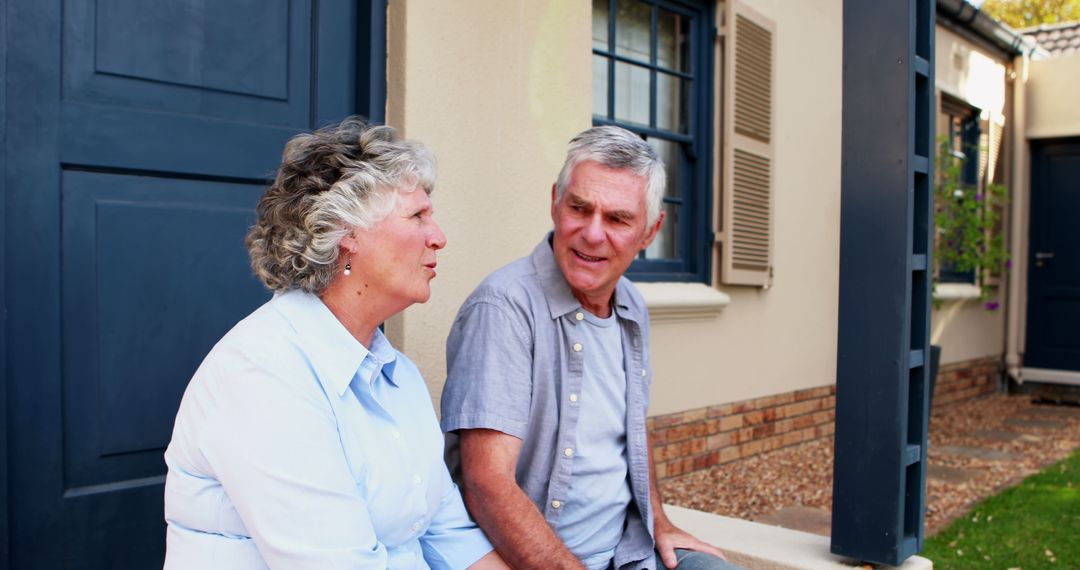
(594,229)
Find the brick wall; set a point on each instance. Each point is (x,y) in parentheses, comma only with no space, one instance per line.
(699,439)
(968,379)
(704,437)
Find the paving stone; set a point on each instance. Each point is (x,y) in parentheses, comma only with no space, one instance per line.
(976,452)
(951,474)
(997,435)
(797,517)
(1046,424)
(1053,411)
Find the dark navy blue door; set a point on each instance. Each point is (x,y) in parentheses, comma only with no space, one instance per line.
(1053,334)
(139,136)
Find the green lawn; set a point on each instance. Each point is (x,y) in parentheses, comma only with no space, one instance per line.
(1035,524)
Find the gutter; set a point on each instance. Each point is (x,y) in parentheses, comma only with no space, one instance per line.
(965,15)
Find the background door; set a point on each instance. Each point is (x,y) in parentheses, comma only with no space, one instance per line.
(1053,334)
(139,136)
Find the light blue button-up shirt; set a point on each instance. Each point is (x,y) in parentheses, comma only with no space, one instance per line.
(297,447)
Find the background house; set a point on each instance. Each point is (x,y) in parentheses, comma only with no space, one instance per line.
(138,137)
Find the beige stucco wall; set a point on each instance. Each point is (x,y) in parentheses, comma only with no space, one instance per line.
(496,88)
(968,72)
(1052,88)
(965,328)
(784,338)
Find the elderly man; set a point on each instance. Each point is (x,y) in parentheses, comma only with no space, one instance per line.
(548,380)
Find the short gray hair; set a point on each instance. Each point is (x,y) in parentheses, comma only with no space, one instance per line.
(620,149)
(339,178)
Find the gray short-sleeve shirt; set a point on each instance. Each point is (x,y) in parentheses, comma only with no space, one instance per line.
(514,361)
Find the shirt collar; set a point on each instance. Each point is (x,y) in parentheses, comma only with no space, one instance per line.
(384,354)
(334,352)
(560,298)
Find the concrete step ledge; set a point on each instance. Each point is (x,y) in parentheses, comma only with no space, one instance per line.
(763,547)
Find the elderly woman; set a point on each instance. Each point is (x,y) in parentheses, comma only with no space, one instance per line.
(305,440)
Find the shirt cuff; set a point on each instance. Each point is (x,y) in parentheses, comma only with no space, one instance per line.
(508,426)
(455,551)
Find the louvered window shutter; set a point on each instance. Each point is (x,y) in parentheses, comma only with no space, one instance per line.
(745,236)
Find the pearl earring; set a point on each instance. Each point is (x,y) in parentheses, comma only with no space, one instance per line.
(348,267)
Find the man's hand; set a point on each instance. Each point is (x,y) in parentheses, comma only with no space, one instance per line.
(669,537)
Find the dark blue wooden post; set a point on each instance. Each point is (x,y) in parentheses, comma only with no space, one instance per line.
(371,93)
(882,405)
(4,510)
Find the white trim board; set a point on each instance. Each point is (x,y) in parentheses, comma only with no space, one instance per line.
(1052,376)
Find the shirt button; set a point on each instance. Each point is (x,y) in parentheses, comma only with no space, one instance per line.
(396,434)
(573,397)
(417,479)
(569,452)
(416,526)
(577,347)
(642,371)
(556,504)
(579,316)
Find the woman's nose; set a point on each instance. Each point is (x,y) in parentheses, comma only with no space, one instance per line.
(436,239)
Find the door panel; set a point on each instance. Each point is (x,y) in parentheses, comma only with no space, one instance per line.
(140,136)
(155,272)
(241,60)
(1053,338)
(148,40)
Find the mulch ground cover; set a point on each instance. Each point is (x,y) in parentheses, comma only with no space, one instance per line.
(801,475)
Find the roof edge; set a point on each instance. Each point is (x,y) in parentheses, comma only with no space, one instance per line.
(1009,41)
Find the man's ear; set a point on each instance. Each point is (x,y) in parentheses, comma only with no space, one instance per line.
(651,232)
(554,200)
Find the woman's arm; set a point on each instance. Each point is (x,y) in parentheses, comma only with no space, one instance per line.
(272,442)
(490,561)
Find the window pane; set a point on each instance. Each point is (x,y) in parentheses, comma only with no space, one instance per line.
(599,85)
(673,41)
(631,93)
(671,102)
(600,20)
(633,24)
(671,153)
(666,244)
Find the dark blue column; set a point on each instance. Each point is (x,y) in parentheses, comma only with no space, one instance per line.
(882,400)
(4,510)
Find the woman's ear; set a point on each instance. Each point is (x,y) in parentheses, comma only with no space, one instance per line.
(348,244)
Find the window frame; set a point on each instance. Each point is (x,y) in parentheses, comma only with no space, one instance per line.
(694,236)
(969,135)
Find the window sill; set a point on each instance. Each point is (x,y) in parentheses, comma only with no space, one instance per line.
(956,291)
(682,301)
